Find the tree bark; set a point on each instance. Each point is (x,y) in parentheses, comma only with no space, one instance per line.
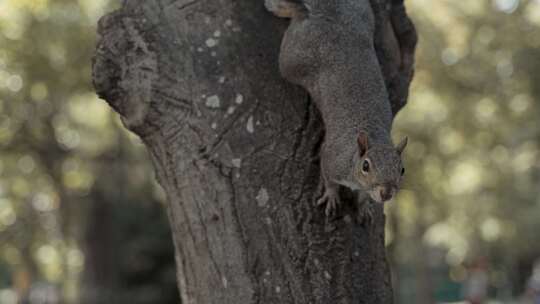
(235,148)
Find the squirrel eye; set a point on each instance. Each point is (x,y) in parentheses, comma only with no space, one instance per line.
(365,166)
(402,171)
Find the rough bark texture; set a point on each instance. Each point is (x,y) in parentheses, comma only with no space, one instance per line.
(236,149)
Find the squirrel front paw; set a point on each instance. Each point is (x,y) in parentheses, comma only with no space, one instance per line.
(331,199)
(366,213)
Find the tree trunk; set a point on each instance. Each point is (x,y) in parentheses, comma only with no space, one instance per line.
(235,148)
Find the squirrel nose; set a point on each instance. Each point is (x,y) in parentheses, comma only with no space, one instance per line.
(386,193)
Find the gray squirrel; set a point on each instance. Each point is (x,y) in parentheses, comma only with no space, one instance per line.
(328,49)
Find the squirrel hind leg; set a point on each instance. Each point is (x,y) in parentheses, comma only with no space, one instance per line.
(285,8)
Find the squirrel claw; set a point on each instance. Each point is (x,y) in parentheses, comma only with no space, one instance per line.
(366,214)
(331,199)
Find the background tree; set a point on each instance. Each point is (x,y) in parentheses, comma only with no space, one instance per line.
(473,159)
(66,180)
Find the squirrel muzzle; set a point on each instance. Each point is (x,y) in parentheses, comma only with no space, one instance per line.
(383,193)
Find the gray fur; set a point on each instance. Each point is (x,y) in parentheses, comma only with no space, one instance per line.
(328,49)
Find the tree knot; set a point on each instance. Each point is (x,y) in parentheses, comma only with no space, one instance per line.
(125,67)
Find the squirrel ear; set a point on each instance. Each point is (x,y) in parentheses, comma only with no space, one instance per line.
(285,8)
(362,143)
(401,146)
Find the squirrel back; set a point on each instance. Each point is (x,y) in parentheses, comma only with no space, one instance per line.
(329,50)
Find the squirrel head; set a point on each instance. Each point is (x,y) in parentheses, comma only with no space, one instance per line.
(378,168)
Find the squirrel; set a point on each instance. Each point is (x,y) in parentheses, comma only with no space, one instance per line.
(328,50)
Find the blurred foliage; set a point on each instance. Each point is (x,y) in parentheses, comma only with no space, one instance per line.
(472,190)
(74,185)
(79,210)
